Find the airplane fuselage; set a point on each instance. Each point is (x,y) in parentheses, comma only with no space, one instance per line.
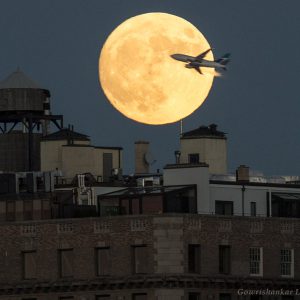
(196,63)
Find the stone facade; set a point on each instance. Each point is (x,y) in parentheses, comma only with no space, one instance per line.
(164,241)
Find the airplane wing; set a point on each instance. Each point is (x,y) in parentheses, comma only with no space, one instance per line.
(193,66)
(198,70)
(202,55)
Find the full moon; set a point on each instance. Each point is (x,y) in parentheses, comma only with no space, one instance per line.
(139,77)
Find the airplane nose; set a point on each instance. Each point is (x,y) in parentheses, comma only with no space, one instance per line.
(175,56)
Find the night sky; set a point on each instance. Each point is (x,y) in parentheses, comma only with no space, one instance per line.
(57,43)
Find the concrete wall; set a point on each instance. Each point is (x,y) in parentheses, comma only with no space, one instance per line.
(212,151)
(257,194)
(76,160)
(208,193)
(72,160)
(191,174)
(51,153)
(235,194)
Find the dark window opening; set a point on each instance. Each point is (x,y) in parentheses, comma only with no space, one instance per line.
(139,296)
(224,259)
(194,158)
(194,258)
(253,209)
(225,296)
(286,205)
(181,201)
(22,182)
(140,259)
(65,262)
(156,200)
(10,210)
(224,207)
(46,209)
(28,210)
(255,297)
(102,261)
(40,183)
(29,264)
(194,296)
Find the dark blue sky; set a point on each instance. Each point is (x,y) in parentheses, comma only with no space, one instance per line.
(57,43)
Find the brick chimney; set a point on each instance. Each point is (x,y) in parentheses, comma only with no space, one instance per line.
(141,148)
(242,174)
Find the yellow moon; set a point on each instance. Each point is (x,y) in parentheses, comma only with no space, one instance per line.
(139,77)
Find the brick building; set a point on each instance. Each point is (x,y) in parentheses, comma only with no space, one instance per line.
(168,256)
(151,242)
(196,236)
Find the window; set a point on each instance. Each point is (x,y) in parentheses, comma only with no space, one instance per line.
(180,201)
(65,262)
(46,209)
(139,296)
(194,258)
(224,296)
(66,298)
(224,207)
(253,209)
(10,210)
(287,262)
(285,205)
(139,259)
(102,261)
(194,296)
(29,264)
(224,259)
(256,261)
(255,297)
(194,158)
(28,210)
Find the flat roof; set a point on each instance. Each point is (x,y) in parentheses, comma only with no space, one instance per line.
(266,184)
(147,190)
(91,146)
(183,166)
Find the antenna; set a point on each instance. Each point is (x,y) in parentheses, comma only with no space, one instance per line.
(149,159)
(181,127)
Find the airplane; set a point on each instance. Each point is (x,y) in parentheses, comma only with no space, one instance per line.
(196,62)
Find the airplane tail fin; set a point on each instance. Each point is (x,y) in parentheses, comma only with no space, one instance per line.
(224,60)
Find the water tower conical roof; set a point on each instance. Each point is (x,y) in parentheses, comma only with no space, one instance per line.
(18,80)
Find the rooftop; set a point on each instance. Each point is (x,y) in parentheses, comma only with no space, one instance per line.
(18,80)
(96,147)
(65,134)
(204,131)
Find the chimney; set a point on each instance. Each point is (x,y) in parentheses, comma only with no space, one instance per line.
(213,128)
(242,174)
(141,149)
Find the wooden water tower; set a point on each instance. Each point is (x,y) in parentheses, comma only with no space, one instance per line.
(24,118)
